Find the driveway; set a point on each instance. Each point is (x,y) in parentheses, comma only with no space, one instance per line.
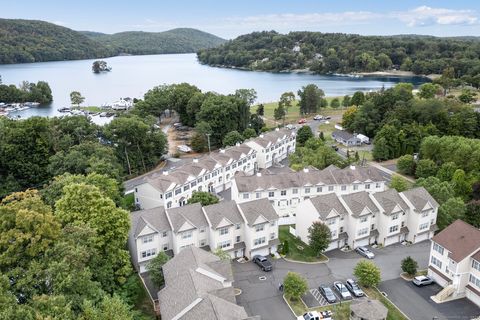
(262,297)
(416,303)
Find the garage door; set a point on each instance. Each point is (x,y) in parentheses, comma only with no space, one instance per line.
(362,242)
(421,237)
(333,245)
(472,297)
(390,240)
(261,252)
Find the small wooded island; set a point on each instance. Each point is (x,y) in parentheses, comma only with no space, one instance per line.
(100,66)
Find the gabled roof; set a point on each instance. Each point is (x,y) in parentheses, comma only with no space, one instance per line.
(191,213)
(358,201)
(324,204)
(272,137)
(460,239)
(224,209)
(419,197)
(390,199)
(154,217)
(345,135)
(253,209)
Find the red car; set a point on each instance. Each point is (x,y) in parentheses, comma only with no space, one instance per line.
(302,121)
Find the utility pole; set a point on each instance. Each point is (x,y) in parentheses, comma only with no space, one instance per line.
(208,138)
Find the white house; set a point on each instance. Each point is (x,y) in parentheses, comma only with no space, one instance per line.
(272,147)
(363,218)
(455,262)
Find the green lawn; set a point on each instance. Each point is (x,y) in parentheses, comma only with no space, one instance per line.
(298,250)
(94,109)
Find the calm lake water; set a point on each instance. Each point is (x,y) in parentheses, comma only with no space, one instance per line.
(132,76)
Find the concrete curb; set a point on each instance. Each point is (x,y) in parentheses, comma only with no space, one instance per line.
(288,304)
(393,304)
(304,262)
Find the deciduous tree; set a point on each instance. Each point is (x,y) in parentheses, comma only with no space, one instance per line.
(294,285)
(203,197)
(367,273)
(319,237)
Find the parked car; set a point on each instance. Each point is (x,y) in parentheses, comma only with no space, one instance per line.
(312,315)
(263,263)
(290,126)
(318,117)
(177,124)
(302,121)
(184,148)
(327,293)
(342,290)
(327,118)
(364,251)
(422,281)
(354,288)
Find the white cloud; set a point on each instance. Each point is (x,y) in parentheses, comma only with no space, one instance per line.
(427,16)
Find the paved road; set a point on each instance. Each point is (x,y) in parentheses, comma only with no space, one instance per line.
(416,303)
(263,298)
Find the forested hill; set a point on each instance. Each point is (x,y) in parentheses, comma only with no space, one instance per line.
(34,41)
(345,53)
(181,40)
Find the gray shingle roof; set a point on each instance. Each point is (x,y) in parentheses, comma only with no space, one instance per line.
(357,201)
(344,135)
(261,207)
(224,209)
(191,213)
(419,198)
(389,199)
(197,295)
(369,309)
(155,217)
(324,204)
(272,137)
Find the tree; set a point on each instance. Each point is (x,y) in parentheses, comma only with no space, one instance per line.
(449,211)
(285,247)
(261,110)
(347,101)
(286,100)
(406,164)
(335,103)
(223,255)
(461,184)
(109,308)
(154,268)
(319,237)
(467,96)
(76,98)
(232,138)
(303,134)
(315,153)
(321,136)
(310,97)
(249,133)
(348,117)
(203,197)
(294,285)
(248,95)
(367,273)
(409,265)
(100,66)
(398,183)
(425,168)
(256,123)
(472,215)
(358,98)
(199,142)
(440,190)
(279,113)
(428,90)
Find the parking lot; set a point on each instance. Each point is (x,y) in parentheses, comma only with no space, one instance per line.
(313,298)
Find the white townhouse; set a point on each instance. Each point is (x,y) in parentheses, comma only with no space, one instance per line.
(240,230)
(272,147)
(286,190)
(211,173)
(363,218)
(455,262)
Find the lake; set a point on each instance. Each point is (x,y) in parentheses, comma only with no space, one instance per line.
(132,76)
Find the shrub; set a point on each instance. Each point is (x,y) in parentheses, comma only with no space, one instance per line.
(294,285)
(409,266)
(367,273)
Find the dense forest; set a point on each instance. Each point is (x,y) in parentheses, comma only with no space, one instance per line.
(35,41)
(32,92)
(346,53)
(181,40)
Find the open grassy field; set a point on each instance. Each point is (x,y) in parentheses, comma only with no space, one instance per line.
(297,249)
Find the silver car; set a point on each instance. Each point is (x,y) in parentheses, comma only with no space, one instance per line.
(422,281)
(364,251)
(342,290)
(354,288)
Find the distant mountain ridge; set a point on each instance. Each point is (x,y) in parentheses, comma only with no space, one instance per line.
(23,41)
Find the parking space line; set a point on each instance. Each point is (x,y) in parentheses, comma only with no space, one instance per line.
(318,296)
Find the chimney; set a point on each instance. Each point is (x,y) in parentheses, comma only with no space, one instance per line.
(305,170)
(259,174)
(277,129)
(222,150)
(352,167)
(165,173)
(195,160)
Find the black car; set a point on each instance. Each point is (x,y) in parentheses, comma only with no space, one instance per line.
(327,293)
(263,263)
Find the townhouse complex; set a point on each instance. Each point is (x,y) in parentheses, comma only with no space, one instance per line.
(245,229)
(213,172)
(198,285)
(455,262)
(363,218)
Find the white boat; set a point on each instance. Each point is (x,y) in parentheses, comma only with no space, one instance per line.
(22,108)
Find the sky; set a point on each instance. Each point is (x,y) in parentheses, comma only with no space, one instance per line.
(229,19)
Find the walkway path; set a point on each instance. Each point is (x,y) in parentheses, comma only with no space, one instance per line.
(388,171)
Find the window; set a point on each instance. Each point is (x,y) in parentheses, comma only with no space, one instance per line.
(372,226)
(307,190)
(424,214)
(258,195)
(330,188)
(283,192)
(177,191)
(224,244)
(393,229)
(438,248)
(355,187)
(237,239)
(207,176)
(165,246)
(367,186)
(259,227)
(193,184)
(168,195)
(202,230)
(227,168)
(185,188)
(164,234)
(334,234)
(136,189)
(344,188)
(161,196)
(199,179)
(476,265)
(403,224)
(362,231)
(319,189)
(271,194)
(147,239)
(272,235)
(246,196)
(294,190)
(341,229)
(203,243)
(474,280)
(436,262)
(331,221)
(363,219)
(272,224)
(395,216)
(186,234)
(259,241)
(169,204)
(423,226)
(148,253)
(223,231)
(377,185)
(237,226)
